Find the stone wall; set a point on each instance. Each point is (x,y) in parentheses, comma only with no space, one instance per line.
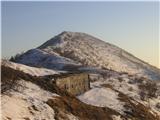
(75,84)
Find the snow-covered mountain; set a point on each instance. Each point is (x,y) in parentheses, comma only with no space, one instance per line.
(74,48)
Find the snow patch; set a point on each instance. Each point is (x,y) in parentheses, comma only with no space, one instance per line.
(102,97)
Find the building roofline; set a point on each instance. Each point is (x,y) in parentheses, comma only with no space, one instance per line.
(62,75)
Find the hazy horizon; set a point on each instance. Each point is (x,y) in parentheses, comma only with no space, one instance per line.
(132,26)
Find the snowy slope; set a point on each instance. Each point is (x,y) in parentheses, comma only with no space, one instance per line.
(26,99)
(39,58)
(30,70)
(30,96)
(106,92)
(117,96)
(29,103)
(103,97)
(91,51)
(31,100)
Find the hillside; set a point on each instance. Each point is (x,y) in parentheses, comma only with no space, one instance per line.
(37,98)
(74,48)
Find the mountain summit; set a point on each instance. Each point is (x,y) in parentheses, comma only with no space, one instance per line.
(76,48)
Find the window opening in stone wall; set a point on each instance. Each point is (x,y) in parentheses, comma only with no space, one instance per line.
(65,86)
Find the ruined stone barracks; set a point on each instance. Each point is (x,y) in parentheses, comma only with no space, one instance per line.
(75,83)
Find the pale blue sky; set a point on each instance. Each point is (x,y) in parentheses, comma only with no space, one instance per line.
(132,26)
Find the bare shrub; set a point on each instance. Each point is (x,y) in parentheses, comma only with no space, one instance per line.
(158,105)
(148,90)
(135,110)
(9,80)
(15,57)
(107,86)
(120,79)
(130,89)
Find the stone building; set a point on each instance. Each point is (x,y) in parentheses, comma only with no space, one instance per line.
(74,83)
